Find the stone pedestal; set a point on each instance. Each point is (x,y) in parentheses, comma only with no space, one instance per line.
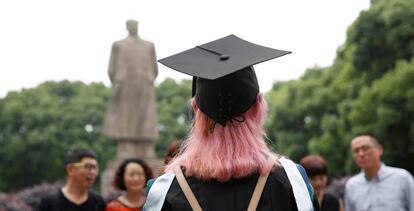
(143,149)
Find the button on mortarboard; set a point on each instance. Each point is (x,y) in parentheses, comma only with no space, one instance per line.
(223,64)
(224,57)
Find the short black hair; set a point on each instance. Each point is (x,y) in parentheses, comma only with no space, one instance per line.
(76,155)
(373,137)
(118,181)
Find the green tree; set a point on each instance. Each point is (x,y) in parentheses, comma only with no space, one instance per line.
(174,113)
(313,114)
(296,109)
(387,109)
(39,125)
(382,36)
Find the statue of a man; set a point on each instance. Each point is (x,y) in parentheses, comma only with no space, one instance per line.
(133,68)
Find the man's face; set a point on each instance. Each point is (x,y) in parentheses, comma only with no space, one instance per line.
(366,153)
(84,173)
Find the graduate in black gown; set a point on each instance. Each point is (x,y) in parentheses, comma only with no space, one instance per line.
(225,163)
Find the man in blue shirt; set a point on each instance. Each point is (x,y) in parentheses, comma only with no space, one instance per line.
(377,186)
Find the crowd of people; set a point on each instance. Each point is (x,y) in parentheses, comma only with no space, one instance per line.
(225,163)
(376,187)
(81,165)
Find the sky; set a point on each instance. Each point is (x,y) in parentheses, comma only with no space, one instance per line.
(55,40)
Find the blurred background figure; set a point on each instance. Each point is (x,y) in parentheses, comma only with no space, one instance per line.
(82,169)
(377,186)
(131,114)
(130,117)
(172,150)
(131,177)
(317,171)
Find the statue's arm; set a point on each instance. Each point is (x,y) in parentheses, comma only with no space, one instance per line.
(154,56)
(112,62)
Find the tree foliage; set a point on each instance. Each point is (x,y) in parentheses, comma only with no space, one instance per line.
(39,125)
(387,109)
(367,88)
(174,113)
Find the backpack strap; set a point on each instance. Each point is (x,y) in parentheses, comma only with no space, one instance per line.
(186,189)
(254,201)
(258,190)
(158,190)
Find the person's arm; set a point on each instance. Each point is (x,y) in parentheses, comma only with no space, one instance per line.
(155,65)
(409,192)
(149,185)
(44,205)
(102,206)
(112,62)
(348,204)
(341,205)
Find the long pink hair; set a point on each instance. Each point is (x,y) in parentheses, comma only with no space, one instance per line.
(238,149)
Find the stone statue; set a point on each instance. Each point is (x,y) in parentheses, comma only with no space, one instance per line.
(131,115)
(132,70)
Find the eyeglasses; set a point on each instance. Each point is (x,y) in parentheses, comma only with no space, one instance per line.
(87,166)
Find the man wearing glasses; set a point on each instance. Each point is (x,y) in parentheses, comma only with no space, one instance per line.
(81,169)
(377,186)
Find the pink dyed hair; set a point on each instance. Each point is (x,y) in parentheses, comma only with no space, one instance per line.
(238,149)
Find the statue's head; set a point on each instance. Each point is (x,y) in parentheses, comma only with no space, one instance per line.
(132,26)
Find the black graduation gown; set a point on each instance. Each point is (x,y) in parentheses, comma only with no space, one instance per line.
(234,195)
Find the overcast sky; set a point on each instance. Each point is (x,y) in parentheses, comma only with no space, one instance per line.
(54,40)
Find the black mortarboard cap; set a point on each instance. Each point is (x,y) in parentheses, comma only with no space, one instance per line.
(224,83)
